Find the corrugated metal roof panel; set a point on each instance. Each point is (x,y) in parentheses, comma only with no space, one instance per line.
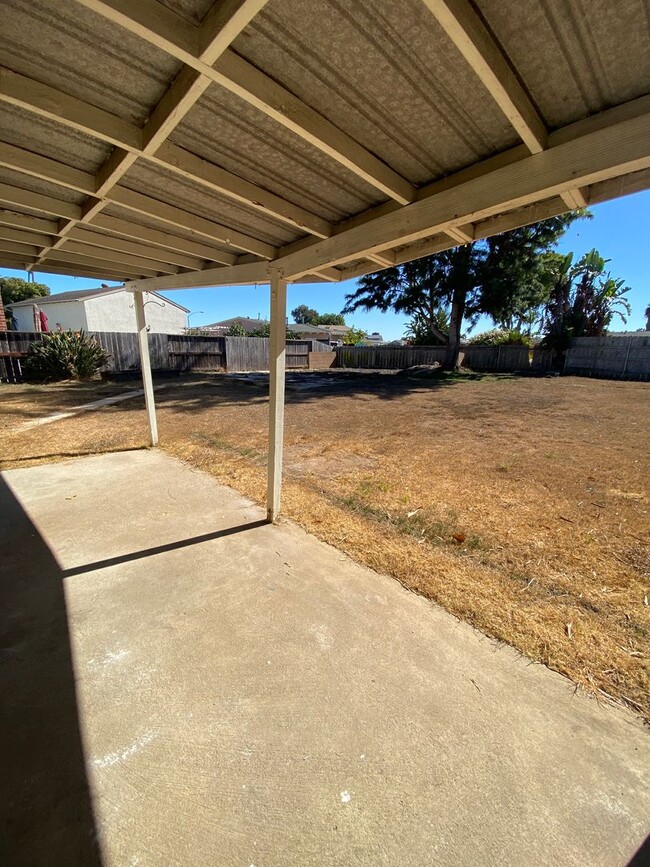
(48,138)
(69,47)
(227,131)
(384,72)
(152,223)
(576,57)
(36,185)
(155,181)
(191,10)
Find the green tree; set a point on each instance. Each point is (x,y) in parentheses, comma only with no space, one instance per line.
(236,330)
(583,299)
(353,336)
(485,277)
(304,315)
(14,289)
(328,319)
(419,333)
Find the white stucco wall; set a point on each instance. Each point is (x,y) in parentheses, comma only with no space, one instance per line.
(70,314)
(116,312)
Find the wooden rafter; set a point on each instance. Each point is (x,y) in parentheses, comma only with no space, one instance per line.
(605,153)
(48,102)
(214,38)
(471,37)
(161,27)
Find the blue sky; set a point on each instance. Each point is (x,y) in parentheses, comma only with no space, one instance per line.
(618,230)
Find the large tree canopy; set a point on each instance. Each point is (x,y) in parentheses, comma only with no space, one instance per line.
(304,315)
(502,277)
(16,289)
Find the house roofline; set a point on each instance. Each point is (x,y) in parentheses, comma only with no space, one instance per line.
(91,293)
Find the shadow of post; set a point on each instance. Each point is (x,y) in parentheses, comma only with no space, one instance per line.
(47,813)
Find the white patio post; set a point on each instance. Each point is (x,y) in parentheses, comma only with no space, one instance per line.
(277,351)
(145,365)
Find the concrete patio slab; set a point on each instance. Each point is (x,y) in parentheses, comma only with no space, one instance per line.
(188,685)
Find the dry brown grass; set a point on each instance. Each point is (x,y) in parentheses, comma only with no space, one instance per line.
(519,505)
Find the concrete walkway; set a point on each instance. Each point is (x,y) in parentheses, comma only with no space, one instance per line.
(190,686)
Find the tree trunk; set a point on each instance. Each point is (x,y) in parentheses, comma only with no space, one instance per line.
(455,325)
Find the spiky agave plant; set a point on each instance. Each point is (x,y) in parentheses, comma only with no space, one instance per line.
(64,355)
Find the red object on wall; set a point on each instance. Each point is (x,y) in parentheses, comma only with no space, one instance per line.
(43,319)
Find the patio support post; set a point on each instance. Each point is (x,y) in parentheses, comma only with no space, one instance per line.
(145,365)
(277,353)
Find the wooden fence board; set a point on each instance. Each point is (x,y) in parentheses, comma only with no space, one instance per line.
(621,356)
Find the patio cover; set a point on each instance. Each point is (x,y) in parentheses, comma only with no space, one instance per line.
(186,143)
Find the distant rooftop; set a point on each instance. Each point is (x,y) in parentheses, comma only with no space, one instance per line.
(83,295)
(254,324)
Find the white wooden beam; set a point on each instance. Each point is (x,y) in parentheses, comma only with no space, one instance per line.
(48,102)
(143,204)
(608,152)
(164,260)
(238,275)
(73,270)
(253,86)
(139,264)
(21,236)
(115,268)
(469,34)
(462,234)
(38,202)
(19,249)
(223,24)
(26,221)
(328,275)
(277,365)
(145,366)
(50,170)
(171,243)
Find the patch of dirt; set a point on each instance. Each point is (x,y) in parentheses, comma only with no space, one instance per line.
(304,460)
(520,505)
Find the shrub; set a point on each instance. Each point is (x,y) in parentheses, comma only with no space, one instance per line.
(501,337)
(64,355)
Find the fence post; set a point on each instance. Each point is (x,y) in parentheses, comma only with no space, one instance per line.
(277,366)
(145,365)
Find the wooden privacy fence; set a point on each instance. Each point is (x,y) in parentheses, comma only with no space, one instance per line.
(182,352)
(388,357)
(13,348)
(619,356)
(504,359)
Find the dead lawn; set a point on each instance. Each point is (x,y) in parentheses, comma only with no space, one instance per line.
(520,505)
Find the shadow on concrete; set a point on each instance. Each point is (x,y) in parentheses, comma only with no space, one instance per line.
(76,454)
(47,812)
(161,549)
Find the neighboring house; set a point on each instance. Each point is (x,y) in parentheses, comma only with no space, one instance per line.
(103,309)
(372,339)
(220,328)
(295,331)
